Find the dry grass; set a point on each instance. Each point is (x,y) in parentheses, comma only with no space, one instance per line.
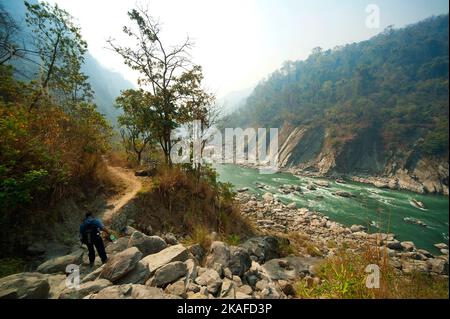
(202,236)
(190,204)
(344,276)
(118,158)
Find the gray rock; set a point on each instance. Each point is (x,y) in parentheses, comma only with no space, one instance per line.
(130,291)
(227,273)
(59,264)
(425,253)
(261,285)
(289,268)
(120,245)
(170,239)
(127,230)
(196,295)
(57,284)
(228,290)
(394,244)
(219,253)
(168,255)
(138,275)
(344,194)
(147,245)
(357,228)
(219,268)
(292,205)
(25,285)
(197,251)
(245,289)
(211,279)
(271,292)
(168,274)
(408,245)
(94,275)
(240,261)
(268,197)
(439,266)
(191,269)
(192,287)
(177,288)
(237,280)
(85,289)
(240,295)
(262,248)
(121,264)
(410,266)
(441,246)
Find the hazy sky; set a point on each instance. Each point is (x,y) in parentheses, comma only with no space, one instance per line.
(238,42)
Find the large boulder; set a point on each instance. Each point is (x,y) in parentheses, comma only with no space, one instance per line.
(59,264)
(121,264)
(289,268)
(240,261)
(170,239)
(146,244)
(57,284)
(197,251)
(25,285)
(219,253)
(178,288)
(262,248)
(138,275)
(85,289)
(165,256)
(120,245)
(438,265)
(93,275)
(167,274)
(408,245)
(130,291)
(211,279)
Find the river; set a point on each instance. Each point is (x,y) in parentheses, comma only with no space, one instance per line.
(381,210)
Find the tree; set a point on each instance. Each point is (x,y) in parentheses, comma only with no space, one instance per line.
(166,73)
(61,52)
(136,121)
(8,31)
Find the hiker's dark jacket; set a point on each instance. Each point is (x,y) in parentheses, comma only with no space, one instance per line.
(90,229)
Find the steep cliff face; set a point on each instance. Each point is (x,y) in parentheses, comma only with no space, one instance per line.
(376,110)
(309,150)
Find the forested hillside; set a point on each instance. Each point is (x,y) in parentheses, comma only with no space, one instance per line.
(372,107)
(105,83)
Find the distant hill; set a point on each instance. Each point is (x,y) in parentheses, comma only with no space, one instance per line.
(233,100)
(379,107)
(105,83)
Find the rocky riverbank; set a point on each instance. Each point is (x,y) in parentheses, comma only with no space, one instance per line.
(326,236)
(416,182)
(146,267)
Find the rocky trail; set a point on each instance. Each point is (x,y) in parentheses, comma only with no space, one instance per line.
(148,266)
(133,185)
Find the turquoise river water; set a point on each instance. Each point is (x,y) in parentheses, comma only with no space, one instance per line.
(381,210)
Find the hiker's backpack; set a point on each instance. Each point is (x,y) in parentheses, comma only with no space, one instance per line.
(90,233)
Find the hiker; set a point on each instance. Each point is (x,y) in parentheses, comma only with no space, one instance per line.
(90,230)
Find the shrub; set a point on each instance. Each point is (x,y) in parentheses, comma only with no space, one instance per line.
(186,200)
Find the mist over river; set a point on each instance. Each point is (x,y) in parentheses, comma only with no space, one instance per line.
(381,210)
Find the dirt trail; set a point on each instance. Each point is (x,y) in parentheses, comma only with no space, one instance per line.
(133,185)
